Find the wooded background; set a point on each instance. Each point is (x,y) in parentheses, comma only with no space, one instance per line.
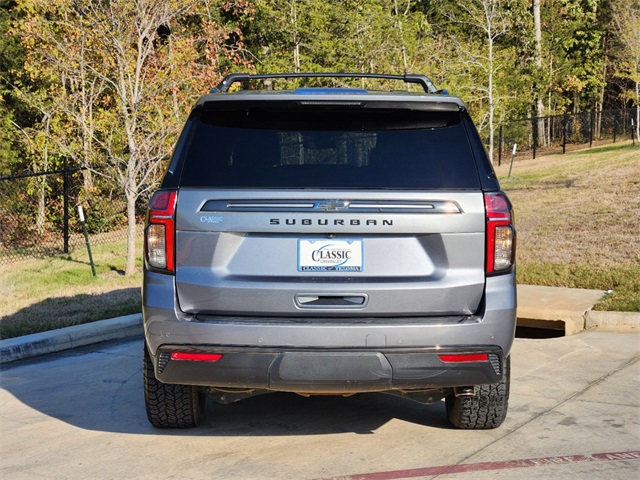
(106,84)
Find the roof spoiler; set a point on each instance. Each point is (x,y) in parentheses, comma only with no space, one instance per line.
(230,79)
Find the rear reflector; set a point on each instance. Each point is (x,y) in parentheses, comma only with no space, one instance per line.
(467,357)
(196,357)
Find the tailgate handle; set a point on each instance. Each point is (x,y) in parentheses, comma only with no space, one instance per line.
(332,300)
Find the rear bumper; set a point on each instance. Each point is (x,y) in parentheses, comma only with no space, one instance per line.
(329,371)
(342,355)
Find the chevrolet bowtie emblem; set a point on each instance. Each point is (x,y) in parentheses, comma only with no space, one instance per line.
(332,205)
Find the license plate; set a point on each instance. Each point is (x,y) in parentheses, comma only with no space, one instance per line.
(322,255)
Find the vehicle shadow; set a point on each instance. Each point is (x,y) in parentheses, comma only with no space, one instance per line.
(100,388)
(69,310)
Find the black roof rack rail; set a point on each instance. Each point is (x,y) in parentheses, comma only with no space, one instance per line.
(232,78)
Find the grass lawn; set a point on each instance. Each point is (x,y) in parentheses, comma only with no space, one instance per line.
(37,295)
(577,216)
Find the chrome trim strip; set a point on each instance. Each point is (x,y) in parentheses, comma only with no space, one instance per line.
(269,205)
(391,206)
(333,206)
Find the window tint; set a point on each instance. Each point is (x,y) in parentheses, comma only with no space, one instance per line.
(355,148)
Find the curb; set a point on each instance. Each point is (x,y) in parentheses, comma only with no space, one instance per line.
(28,346)
(555,308)
(612,321)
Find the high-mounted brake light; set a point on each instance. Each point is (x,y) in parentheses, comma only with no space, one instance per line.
(501,234)
(160,233)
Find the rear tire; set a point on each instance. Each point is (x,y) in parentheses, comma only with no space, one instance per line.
(170,406)
(486,410)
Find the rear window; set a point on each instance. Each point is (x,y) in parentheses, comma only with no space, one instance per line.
(329,148)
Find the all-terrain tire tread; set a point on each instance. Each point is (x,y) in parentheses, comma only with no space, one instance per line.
(486,410)
(167,405)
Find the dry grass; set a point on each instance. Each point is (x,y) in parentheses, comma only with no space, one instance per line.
(43,294)
(578,219)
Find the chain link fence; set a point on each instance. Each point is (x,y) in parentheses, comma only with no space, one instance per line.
(557,134)
(40,216)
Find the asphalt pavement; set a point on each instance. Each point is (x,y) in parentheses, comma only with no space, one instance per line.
(574,413)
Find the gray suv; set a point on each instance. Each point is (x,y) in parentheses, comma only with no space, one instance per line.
(329,241)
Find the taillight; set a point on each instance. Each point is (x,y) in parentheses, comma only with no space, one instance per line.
(501,234)
(160,232)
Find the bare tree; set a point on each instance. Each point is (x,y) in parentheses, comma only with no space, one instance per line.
(113,87)
(399,16)
(128,32)
(491,20)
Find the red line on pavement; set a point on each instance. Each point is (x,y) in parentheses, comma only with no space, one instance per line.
(477,467)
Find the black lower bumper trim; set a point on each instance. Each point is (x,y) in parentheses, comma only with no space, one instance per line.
(330,371)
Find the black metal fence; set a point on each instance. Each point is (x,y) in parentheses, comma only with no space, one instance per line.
(39,213)
(557,134)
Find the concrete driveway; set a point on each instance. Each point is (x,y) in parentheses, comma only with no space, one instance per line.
(574,413)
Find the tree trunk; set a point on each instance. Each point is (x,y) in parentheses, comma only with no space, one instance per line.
(538,57)
(130,267)
(491,104)
(638,111)
(43,179)
(403,49)
(41,204)
(296,37)
(600,103)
